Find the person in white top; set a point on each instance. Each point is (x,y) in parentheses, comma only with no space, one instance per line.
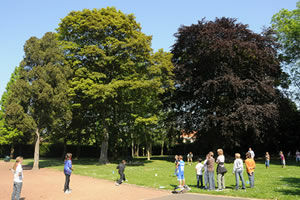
(220,161)
(238,169)
(190,158)
(297,156)
(199,168)
(251,152)
(18,178)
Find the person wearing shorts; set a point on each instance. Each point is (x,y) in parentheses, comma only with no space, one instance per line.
(180,174)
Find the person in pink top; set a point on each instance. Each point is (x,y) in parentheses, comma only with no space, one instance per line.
(282,159)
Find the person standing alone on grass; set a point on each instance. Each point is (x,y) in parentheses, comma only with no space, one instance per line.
(180,174)
(267,162)
(251,153)
(68,171)
(121,168)
(250,165)
(282,159)
(238,171)
(210,169)
(18,178)
(221,170)
(297,156)
(190,158)
(199,168)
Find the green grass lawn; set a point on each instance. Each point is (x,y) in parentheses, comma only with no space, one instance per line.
(273,183)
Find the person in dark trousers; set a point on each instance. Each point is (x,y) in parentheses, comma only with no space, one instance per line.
(121,168)
(68,171)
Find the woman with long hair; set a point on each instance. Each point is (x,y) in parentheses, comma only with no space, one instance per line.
(18,178)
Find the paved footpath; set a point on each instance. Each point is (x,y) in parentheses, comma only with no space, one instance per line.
(197,197)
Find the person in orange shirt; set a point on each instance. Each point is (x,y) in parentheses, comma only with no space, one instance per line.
(250,165)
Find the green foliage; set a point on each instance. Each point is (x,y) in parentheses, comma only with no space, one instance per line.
(117,80)
(38,101)
(287,27)
(9,135)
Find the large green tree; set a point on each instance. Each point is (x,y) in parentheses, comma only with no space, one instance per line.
(38,101)
(226,78)
(112,63)
(10,135)
(287,26)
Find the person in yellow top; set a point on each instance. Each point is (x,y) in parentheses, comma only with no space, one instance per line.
(250,165)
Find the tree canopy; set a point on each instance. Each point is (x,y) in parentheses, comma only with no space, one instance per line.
(117,81)
(226,78)
(287,27)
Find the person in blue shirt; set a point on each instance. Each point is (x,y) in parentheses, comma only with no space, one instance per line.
(180,174)
(68,171)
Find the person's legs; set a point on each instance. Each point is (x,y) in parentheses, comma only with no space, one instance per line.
(219,181)
(14,191)
(236,180)
(18,190)
(201,180)
(121,178)
(67,181)
(211,180)
(223,181)
(242,179)
(206,180)
(198,177)
(251,179)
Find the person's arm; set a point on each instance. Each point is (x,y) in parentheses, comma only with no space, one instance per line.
(234,166)
(70,165)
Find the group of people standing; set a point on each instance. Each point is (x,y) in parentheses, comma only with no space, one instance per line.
(206,170)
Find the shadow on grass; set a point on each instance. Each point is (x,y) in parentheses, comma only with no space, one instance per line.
(52,162)
(294,186)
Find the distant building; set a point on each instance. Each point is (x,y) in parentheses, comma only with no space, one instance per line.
(188,137)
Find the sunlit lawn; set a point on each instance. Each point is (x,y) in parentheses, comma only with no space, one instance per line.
(274,183)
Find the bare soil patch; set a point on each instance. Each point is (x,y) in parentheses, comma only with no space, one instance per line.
(47,184)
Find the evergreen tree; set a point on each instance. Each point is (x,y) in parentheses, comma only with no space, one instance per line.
(38,101)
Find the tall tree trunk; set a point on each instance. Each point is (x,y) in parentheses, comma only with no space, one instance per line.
(132,146)
(37,150)
(162,148)
(12,150)
(64,149)
(137,153)
(104,148)
(149,149)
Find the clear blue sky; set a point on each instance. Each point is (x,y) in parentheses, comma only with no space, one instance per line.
(19,20)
